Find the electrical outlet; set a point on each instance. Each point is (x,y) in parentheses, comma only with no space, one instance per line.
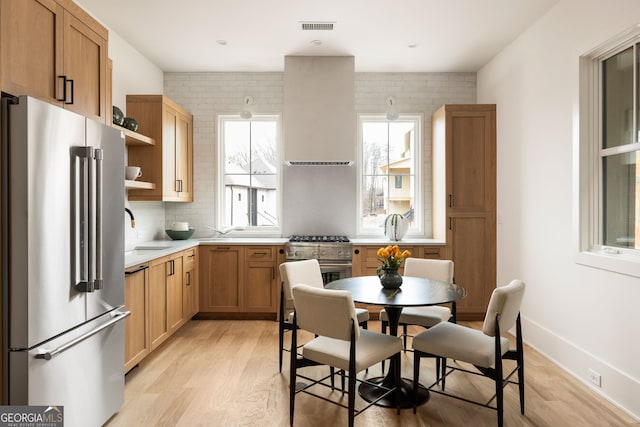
(595,378)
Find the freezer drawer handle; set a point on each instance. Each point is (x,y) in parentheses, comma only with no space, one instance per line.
(50,354)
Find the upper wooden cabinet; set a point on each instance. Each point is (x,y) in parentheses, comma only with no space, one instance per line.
(464,203)
(168,164)
(53,50)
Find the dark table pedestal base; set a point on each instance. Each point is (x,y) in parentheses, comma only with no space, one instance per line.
(371,393)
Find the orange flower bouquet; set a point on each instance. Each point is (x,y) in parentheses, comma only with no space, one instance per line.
(391,257)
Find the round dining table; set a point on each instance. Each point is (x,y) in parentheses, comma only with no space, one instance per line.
(414,292)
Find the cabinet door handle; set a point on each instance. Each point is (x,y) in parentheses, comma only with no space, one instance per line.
(72,92)
(188,278)
(450,200)
(273,273)
(172,269)
(450,223)
(142,267)
(64,88)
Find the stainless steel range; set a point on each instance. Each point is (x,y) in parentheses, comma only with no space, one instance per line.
(332,252)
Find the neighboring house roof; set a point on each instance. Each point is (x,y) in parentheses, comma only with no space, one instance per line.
(403,163)
(238,175)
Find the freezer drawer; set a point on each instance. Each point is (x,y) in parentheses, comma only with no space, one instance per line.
(87,378)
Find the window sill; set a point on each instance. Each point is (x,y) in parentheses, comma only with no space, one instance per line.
(618,263)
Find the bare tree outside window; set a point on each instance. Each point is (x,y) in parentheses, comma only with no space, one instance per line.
(389,169)
(250,175)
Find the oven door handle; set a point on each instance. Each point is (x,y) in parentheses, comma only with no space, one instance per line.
(335,264)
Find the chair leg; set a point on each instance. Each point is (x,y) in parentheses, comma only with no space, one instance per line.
(520,359)
(444,371)
(437,369)
(332,373)
(499,396)
(416,376)
(404,336)
(293,372)
(352,397)
(398,374)
(281,345)
(365,325)
(383,329)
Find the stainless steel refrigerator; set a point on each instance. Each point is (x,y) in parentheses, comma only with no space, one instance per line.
(63,261)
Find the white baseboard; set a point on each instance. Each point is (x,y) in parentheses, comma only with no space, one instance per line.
(617,387)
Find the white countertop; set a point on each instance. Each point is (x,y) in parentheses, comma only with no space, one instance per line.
(147,251)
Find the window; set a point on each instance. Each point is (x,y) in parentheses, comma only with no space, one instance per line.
(248,189)
(389,176)
(610,155)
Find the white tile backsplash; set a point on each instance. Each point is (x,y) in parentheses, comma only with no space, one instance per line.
(206,95)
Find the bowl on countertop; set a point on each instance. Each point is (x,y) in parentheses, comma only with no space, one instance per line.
(180,234)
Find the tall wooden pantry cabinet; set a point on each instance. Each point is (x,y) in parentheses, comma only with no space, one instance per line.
(464,203)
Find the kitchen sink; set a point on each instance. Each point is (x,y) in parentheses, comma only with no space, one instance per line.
(145,250)
(214,239)
(151,248)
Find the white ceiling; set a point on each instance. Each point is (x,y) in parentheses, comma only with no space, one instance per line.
(450,35)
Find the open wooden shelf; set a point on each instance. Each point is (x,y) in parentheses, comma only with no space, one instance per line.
(139,185)
(135,138)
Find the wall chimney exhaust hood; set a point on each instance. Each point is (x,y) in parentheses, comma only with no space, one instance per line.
(319,111)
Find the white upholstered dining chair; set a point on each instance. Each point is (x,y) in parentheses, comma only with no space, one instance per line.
(307,272)
(338,343)
(485,349)
(427,317)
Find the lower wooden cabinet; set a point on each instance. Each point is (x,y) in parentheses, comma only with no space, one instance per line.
(262,279)
(136,344)
(158,330)
(365,262)
(175,317)
(190,289)
(473,254)
(240,281)
(221,276)
(162,297)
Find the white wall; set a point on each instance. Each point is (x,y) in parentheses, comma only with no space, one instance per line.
(579,316)
(135,74)
(206,95)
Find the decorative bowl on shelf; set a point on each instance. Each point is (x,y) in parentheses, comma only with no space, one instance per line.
(130,123)
(118,116)
(180,234)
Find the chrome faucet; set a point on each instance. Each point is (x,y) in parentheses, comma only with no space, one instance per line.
(133,220)
(223,231)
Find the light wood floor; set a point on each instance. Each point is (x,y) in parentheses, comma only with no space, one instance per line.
(225,373)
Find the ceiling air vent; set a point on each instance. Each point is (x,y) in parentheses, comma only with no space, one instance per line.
(317,26)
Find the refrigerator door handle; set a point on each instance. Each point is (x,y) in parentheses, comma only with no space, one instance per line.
(98,219)
(49,354)
(84,222)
